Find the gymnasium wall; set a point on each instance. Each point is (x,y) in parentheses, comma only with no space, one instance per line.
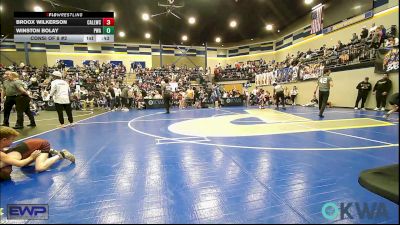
(213,62)
(36,58)
(229,87)
(15,52)
(268,56)
(190,61)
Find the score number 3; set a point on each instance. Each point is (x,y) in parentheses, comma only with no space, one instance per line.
(108,21)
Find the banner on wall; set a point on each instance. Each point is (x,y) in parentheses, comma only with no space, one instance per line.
(387,60)
(311,71)
(87,62)
(116,63)
(67,62)
(137,64)
(282,75)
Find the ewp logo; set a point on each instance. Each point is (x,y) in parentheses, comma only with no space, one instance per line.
(31,212)
(331,210)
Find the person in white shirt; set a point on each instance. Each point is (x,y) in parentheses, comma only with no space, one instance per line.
(293,93)
(60,93)
(254,92)
(118,92)
(45,96)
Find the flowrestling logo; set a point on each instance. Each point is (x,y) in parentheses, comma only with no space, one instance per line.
(353,210)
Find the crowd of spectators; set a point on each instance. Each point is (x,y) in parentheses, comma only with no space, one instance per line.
(91,84)
(104,85)
(309,64)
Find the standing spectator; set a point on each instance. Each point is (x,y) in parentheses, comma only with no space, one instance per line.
(364,33)
(13,89)
(376,38)
(262,99)
(10,93)
(339,46)
(196,99)
(131,96)
(383,34)
(111,97)
(354,39)
(392,31)
(216,96)
(373,28)
(293,94)
(124,96)
(60,93)
(246,95)
(117,92)
(23,104)
(324,85)
(190,96)
(364,87)
(46,98)
(287,95)
(382,88)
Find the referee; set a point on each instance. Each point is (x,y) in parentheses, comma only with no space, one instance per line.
(279,93)
(15,94)
(167,94)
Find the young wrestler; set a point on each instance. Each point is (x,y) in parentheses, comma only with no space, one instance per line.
(26,152)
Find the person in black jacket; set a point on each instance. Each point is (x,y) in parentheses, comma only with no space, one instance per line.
(364,33)
(364,87)
(167,94)
(382,88)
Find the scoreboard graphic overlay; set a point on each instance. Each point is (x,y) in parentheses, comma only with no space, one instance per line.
(80,27)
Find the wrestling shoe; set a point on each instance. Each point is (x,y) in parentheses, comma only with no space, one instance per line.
(54,152)
(67,155)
